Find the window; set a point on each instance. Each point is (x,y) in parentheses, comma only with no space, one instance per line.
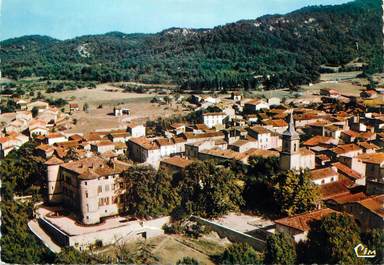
(332,179)
(322,181)
(85,183)
(106,187)
(100,189)
(86,194)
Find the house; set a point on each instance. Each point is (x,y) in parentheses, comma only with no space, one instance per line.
(324,175)
(374,166)
(103,146)
(136,130)
(11,142)
(274,101)
(175,164)
(226,155)
(178,128)
(22,104)
(120,111)
(329,92)
(17,126)
(368,212)
(73,107)
(369,94)
(118,136)
(236,96)
(40,105)
(349,150)
(265,138)
(255,105)
(276,125)
(52,138)
(143,150)
(192,149)
(298,225)
(93,187)
(24,115)
(349,173)
(212,119)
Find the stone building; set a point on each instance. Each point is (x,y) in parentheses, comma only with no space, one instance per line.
(292,156)
(91,187)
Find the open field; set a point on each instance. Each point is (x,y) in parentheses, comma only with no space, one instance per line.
(171,248)
(339,76)
(345,87)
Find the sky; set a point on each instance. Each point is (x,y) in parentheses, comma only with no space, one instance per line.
(64,19)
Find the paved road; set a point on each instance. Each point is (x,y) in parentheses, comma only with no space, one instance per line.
(43,236)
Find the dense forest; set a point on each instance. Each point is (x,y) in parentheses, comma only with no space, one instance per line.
(278,50)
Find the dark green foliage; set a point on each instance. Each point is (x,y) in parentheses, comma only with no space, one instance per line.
(240,254)
(210,190)
(187,261)
(18,244)
(332,240)
(21,169)
(280,249)
(149,193)
(374,240)
(295,193)
(289,48)
(70,255)
(259,183)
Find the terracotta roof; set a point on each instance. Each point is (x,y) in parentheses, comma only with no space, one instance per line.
(201,126)
(333,189)
(73,105)
(351,133)
(94,167)
(375,204)
(367,145)
(343,169)
(318,139)
(259,129)
(345,148)
(322,173)
(301,222)
(189,135)
(54,161)
(214,114)
(177,162)
(45,147)
(54,135)
(347,198)
(104,143)
(144,142)
(374,158)
(75,137)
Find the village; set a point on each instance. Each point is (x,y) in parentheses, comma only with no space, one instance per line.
(338,137)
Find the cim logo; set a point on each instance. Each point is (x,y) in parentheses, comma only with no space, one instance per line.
(362,251)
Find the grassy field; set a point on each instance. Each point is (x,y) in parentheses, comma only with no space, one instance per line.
(168,249)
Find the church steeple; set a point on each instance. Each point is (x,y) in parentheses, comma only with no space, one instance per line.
(291,139)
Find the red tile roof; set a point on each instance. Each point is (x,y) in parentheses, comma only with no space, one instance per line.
(301,222)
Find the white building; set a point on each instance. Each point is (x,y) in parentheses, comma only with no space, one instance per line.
(214,118)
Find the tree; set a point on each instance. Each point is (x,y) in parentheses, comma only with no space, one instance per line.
(69,255)
(240,253)
(295,193)
(280,249)
(210,190)
(85,107)
(333,239)
(374,240)
(18,244)
(187,261)
(150,193)
(35,112)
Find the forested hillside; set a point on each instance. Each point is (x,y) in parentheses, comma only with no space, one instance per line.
(288,49)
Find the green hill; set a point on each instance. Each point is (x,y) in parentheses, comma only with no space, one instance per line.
(287,48)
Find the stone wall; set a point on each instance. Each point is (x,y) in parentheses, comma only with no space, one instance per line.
(232,235)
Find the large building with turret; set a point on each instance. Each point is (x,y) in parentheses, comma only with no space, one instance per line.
(292,157)
(92,187)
